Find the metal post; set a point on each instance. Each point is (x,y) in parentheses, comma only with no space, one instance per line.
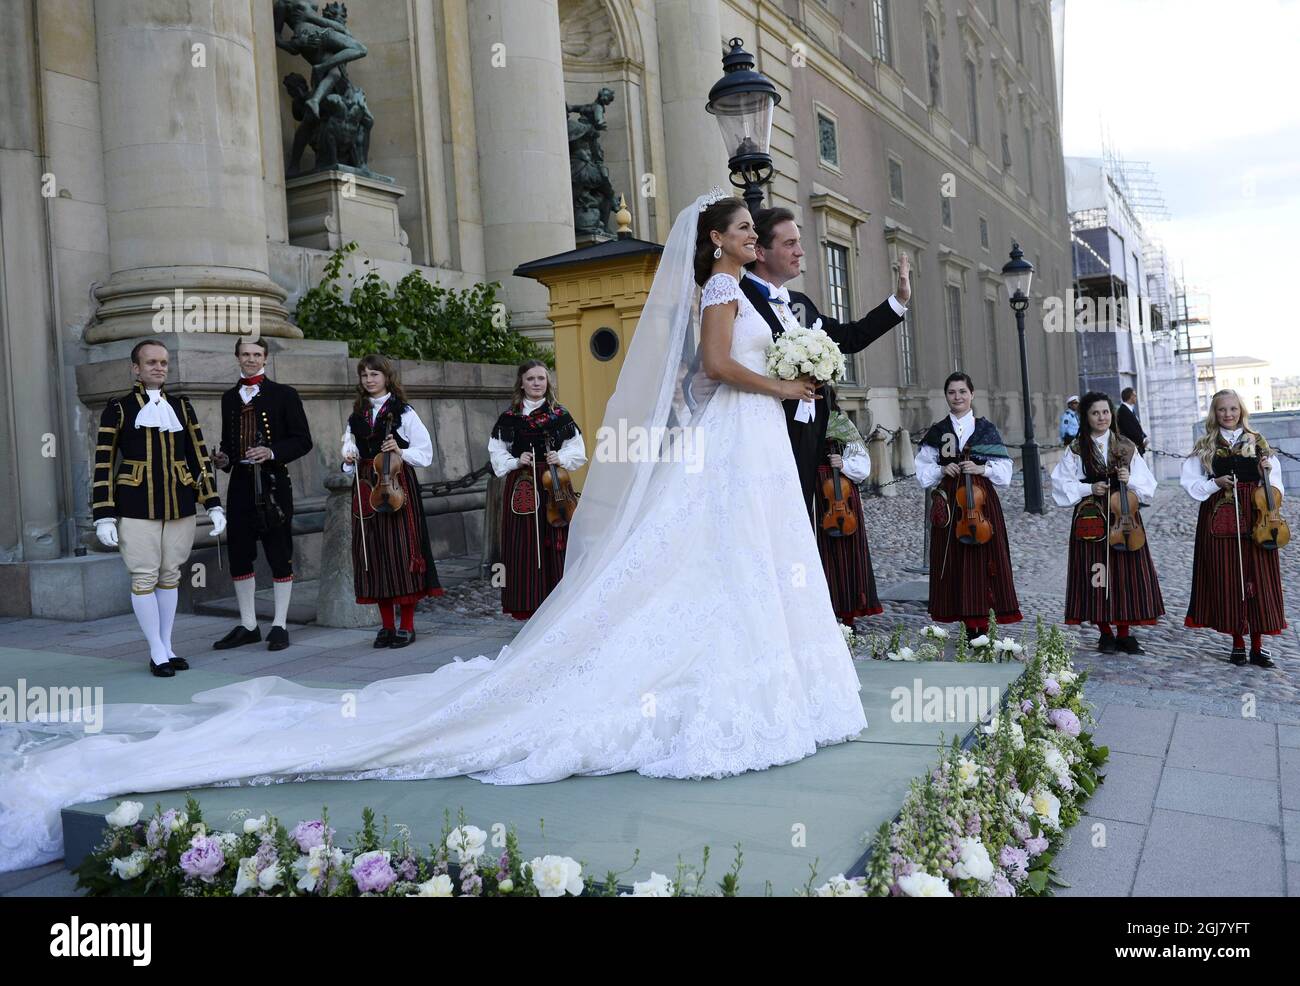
(1029,457)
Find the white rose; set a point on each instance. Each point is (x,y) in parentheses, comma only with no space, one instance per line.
(269,877)
(981,641)
(936,632)
(439,886)
(468,842)
(130,867)
(1057,764)
(924,885)
(657,886)
(554,876)
(974,863)
(968,772)
(1047,806)
(1010,646)
(1067,677)
(126,814)
(839,886)
(255,826)
(247,875)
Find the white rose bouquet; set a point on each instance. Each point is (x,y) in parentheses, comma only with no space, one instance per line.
(805,351)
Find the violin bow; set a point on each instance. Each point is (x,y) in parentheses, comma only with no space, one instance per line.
(361,514)
(537,512)
(1236,513)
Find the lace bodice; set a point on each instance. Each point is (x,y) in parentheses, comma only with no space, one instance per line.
(750,335)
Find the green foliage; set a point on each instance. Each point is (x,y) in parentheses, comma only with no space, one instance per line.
(413,319)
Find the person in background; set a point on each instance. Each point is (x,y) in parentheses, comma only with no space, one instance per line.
(1069,430)
(1127,420)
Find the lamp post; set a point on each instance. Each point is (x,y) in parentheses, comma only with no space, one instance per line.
(1018,273)
(743,101)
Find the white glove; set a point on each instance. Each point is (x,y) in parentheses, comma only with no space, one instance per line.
(106,531)
(218,521)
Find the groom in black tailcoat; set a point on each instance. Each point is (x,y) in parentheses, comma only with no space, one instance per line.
(779,253)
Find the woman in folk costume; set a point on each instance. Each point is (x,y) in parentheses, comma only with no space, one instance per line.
(535,433)
(1106,583)
(846,558)
(1236,583)
(392,563)
(968,577)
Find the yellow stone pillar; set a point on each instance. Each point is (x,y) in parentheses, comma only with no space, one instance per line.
(597,293)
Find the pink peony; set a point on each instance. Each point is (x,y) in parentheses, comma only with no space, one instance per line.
(1065,721)
(203,860)
(309,835)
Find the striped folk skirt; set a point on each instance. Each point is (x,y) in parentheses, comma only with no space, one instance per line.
(846,560)
(968,580)
(1134,596)
(395,565)
(528,579)
(1217,575)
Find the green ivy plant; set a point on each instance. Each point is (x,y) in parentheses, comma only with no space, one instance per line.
(413,319)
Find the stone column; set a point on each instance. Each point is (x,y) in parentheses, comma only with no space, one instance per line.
(690,62)
(523,150)
(183,164)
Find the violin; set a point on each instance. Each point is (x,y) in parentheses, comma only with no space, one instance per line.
(1126,531)
(562,501)
(1271,531)
(839,520)
(386,493)
(267,514)
(972,526)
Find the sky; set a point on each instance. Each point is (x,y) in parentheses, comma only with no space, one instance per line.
(1205,91)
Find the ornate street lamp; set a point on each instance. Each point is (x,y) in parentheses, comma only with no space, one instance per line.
(1018,273)
(743,101)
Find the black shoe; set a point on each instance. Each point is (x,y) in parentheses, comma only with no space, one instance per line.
(1106,643)
(384,638)
(277,639)
(238,637)
(1238,656)
(163,670)
(1260,659)
(1129,645)
(402,638)
(179,664)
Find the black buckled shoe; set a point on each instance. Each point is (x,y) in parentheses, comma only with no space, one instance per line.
(238,637)
(163,670)
(402,638)
(1238,656)
(1129,645)
(1260,659)
(277,639)
(384,638)
(1106,643)
(179,664)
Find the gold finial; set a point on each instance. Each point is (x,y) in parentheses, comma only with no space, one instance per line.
(624,218)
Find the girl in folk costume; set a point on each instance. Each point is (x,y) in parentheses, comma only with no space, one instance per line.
(1236,582)
(970,564)
(392,563)
(841,533)
(1107,582)
(534,434)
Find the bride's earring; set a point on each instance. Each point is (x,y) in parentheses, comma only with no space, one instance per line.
(717,253)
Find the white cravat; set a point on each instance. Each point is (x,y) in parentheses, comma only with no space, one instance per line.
(157,413)
(247,392)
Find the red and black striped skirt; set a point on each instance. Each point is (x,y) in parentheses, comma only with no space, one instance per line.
(968,580)
(847,560)
(528,578)
(395,563)
(1134,596)
(1218,573)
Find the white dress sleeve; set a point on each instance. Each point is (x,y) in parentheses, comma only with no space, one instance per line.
(999,473)
(573,453)
(857,462)
(719,290)
(419,453)
(349,445)
(1198,484)
(1068,487)
(1141,481)
(928,470)
(503,463)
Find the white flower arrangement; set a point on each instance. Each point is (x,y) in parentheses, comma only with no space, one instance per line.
(438,886)
(555,876)
(974,863)
(935,632)
(840,886)
(126,814)
(923,885)
(468,842)
(657,886)
(805,351)
(902,654)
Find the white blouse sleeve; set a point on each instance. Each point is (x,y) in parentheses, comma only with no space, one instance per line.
(573,453)
(928,470)
(999,473)
(1068,487)
(1198,484)
(419,453)
(349,445)
(1140,480)
(503,463)
(857,462)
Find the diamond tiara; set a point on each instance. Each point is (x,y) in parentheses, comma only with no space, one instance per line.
(716,194)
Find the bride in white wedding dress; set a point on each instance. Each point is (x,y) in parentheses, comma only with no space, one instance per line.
(691,636)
